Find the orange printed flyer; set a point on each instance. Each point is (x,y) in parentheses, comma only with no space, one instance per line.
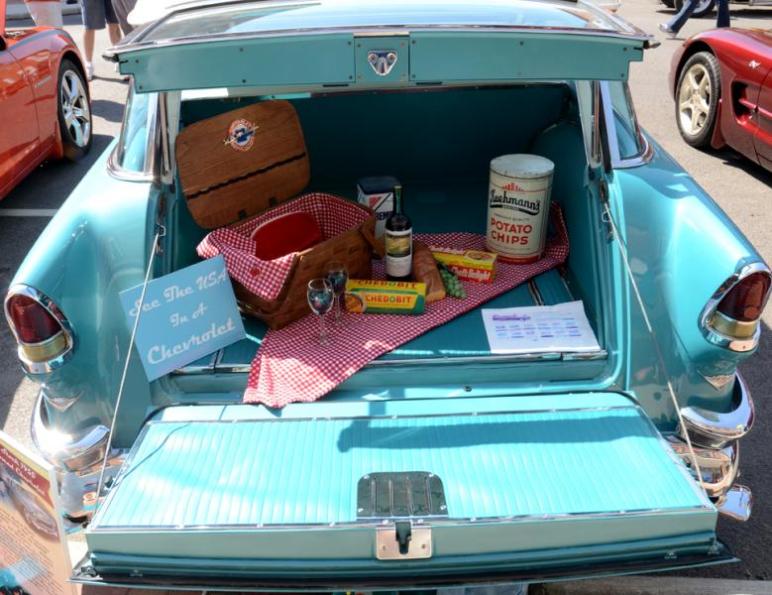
(33,546)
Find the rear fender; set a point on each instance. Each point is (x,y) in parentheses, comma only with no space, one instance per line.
(681,247)
(96,246)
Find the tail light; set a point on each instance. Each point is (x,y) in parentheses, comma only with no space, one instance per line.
(42,332)
(746,300)
(732,317)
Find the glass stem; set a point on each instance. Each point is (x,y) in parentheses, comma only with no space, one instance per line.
(337,308)
(322,330)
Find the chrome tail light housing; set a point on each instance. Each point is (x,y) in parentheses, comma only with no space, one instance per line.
(731,318)
(43,334)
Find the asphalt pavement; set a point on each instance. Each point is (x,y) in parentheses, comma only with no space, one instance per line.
(741,188)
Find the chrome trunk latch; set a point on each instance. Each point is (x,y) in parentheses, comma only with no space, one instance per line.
(403,540)
(382,61)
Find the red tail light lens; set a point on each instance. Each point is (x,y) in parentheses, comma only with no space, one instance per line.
(32,322)
(745,301)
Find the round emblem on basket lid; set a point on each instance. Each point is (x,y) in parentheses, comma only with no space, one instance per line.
(241,135)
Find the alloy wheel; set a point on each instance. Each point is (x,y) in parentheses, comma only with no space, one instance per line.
(75,108)
(694,98)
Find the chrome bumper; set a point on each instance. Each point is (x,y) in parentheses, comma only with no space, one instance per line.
(77,459)
(65,451)
(716,430)
(715,438)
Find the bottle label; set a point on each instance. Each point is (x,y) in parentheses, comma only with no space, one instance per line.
(399,253)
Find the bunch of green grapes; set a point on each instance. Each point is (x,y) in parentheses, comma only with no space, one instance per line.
(453,286)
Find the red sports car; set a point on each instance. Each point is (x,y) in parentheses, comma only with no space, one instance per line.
(722,84)
(44,100)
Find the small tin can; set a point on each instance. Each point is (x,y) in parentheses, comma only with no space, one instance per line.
(518,206)
(377,193)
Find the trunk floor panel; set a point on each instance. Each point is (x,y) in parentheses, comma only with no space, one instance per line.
(301,472)
(461,337)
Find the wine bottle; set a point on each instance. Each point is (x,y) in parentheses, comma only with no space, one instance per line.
(399,241)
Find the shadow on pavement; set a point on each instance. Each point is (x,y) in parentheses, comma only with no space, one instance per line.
(733,159)
(112,111)
(750,13)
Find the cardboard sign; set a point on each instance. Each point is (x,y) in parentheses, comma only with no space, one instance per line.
(33,548)
(185,316)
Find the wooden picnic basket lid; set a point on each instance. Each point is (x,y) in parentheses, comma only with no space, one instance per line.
(242,162)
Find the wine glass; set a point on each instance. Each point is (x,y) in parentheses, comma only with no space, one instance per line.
(337,275)
(320,298)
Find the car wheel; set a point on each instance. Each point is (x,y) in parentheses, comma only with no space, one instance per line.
(704,7)
(697,95)
(74,111)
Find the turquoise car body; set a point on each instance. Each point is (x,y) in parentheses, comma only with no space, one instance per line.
(661,253)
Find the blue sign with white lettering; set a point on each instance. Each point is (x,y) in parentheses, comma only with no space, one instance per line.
(185,315)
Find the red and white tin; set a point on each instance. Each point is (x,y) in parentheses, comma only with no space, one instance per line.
(518,206)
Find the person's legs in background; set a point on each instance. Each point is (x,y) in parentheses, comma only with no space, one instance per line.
(93,12)
(96,15)
(673,26)
(115,32)
(723,13)
(113,29)
(122,9)
(88,51)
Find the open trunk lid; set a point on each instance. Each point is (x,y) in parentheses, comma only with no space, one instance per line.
(344,494)
(287,46)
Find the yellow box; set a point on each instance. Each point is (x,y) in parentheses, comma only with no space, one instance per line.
(469,265)
(385,297)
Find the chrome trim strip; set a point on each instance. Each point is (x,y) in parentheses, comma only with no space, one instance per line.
(710,333)
(711,429)
(536,295)
(149,171)
(737,504)
(193,370)
(585,356)
(645,157)
(50,306)
(66,452)
(244,368)
(366,415)
(435,521)
(611,127)
(125,175)
(470,359)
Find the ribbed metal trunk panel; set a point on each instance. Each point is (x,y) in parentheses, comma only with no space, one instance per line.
(531,484)
(291,472)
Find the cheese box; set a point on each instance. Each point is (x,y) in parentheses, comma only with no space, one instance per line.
(385,297)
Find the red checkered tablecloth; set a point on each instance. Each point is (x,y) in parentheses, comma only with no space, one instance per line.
(291,366)
(266,278)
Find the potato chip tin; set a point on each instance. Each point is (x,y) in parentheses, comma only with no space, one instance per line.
(518,206)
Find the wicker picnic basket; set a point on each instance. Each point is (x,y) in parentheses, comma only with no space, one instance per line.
(239,168)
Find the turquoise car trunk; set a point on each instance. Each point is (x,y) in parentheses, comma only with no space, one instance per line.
(509,483)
